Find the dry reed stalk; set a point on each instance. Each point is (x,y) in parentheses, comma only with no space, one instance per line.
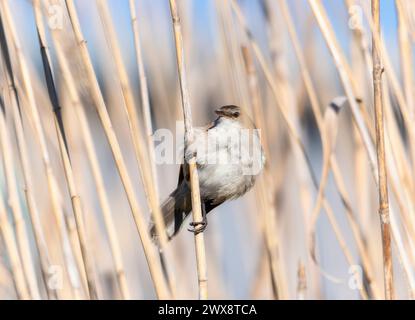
(406,57)
(86,263)
(392,135)
(6,230)
(404,107)
(380,148)
(399,170)
(148,127)
(327,32)
(41,247)
(348,84)
(266,186)
(14,203)
(16,208)
(297,142)
(391,167)
(144,94)
(151,256)
(146,165)
(344,75)
(278,54)
(115,247)
(29,187)
(338,177)
(361,67)
(192,169)
(54,192)
(408,116)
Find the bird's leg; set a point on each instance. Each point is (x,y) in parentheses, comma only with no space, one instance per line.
(199,226)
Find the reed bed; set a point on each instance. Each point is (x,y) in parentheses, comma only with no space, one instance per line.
(88,89)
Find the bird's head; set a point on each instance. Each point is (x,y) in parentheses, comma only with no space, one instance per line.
(230,111)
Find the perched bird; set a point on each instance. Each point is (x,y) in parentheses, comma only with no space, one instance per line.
(229,157)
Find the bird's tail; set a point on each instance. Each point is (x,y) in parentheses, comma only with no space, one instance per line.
(174,209)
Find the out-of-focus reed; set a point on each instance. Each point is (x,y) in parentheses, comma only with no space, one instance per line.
(82,97)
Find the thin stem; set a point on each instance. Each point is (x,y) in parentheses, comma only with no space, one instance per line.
(53,189)
(380,150)
(151,256)
(194,178)
(6,230)
(86,263)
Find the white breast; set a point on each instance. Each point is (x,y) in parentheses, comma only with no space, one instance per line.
(229,158)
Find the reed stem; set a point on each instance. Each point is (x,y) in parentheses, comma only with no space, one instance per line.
(380,150)
(192,168)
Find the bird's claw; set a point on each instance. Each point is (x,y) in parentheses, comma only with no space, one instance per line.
(198,226)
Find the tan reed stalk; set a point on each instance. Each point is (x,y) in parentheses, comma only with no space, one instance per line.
(148,127)
(380,148)
(15,205)
(53,190)
(192,169)
(328,141)
(391,136)
(347,82)
(144,94)
(408,116)
(395,168)
(406,56)
(41,247)
(29,185)
(96,172)
(151,256)
(146,164)
(348,86)
(297,141)
(406,184)
(406,109)
(266,186)
(6,230)
(86,259)
(338,177)
(361,62)
(327,32)
(277,50)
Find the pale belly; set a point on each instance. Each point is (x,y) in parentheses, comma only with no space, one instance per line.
(224,182)
(223,172)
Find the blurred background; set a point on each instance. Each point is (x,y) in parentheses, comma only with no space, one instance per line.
(236,52)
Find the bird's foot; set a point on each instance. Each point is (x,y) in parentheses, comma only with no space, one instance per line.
(198,226)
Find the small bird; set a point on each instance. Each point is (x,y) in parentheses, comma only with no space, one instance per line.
(229,157)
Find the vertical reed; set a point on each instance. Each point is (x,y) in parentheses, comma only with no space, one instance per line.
(380,150)
(151,256)
(12,250)
(40,135)
(191,163)
(86,263)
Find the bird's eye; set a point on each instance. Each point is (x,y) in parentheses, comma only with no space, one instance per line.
(236,114)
